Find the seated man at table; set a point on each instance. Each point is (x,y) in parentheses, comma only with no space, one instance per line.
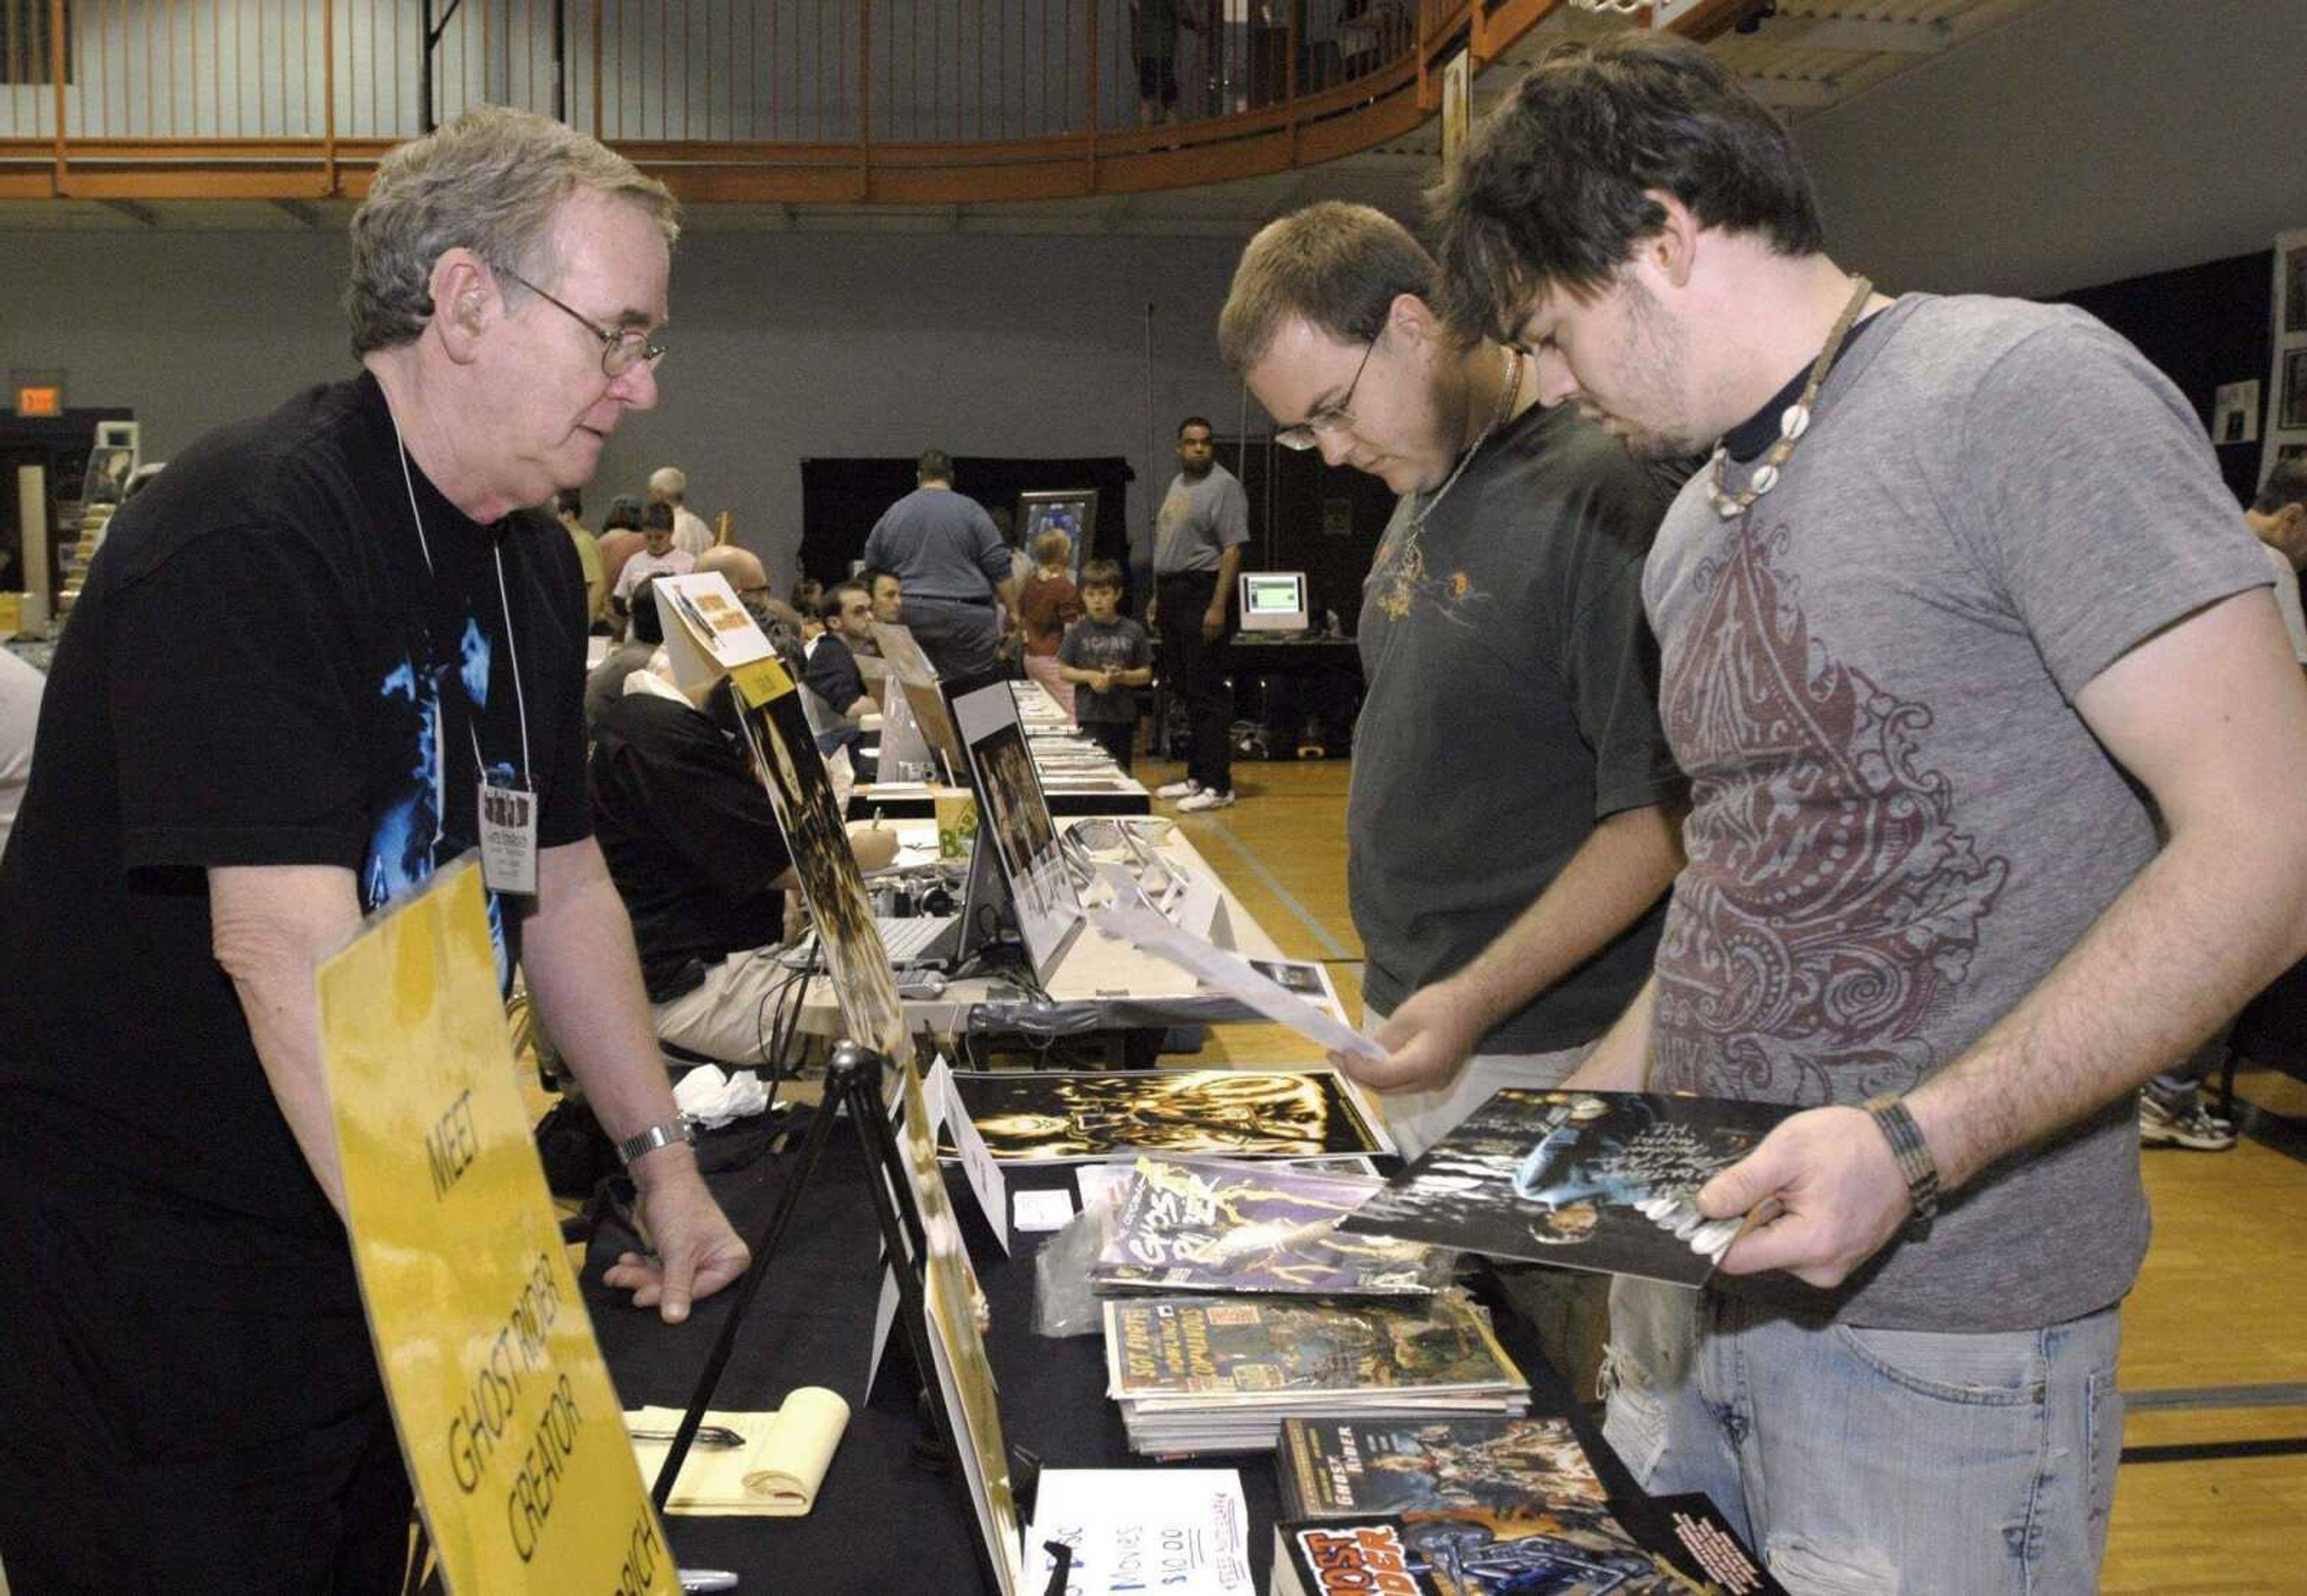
(832,676)
(696,852)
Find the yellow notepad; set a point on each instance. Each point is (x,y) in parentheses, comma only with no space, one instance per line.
(775,1474)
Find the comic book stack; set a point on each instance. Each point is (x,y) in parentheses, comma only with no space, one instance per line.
(1221,1373)
(1470,1507)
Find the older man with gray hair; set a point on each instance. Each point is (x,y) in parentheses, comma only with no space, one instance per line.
(669,484)
(186,1382)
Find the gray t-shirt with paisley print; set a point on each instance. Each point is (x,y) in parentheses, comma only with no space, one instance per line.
(1898,821)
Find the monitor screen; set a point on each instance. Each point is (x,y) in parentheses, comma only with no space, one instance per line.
(1274,601)
(1012,817)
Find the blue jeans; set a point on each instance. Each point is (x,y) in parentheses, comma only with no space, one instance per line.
(1874,1463)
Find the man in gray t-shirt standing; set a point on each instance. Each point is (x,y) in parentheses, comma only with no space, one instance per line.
(1197,538)
(952,565)
(1960,596)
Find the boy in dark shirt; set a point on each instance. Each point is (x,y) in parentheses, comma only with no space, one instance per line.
(1105,655)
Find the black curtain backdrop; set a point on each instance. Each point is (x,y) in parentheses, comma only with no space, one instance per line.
(841,499)
(2202,325)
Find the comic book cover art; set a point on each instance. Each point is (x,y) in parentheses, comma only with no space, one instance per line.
(1519,1468)
(1213,1225)
(1600,1180)
(1469,1554)
(785,756)
(1048,1117)
(1254,1351)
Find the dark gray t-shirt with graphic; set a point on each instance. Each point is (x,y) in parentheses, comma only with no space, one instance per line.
(1899,820)
(1116,645)
(1511,704)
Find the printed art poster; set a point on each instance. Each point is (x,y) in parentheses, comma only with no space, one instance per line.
(1048,1117)
(1601,1180)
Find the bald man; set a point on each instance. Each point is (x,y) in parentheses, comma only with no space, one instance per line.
(751,578)
(669,484)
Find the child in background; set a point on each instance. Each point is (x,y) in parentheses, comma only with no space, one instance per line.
(1106,656)
(1046,607)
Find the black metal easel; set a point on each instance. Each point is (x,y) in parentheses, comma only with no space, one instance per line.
(852,1081)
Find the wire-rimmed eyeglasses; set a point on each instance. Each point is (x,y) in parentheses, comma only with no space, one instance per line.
(621,348)
(1329,418)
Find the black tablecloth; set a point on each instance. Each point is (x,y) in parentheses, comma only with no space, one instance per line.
(883,1524)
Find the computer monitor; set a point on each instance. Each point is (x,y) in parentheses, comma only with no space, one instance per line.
(1274,601)
(1013,819)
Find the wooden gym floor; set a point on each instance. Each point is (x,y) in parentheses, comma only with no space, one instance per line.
(2212,1495)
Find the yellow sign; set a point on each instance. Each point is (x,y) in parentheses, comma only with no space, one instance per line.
(760,680)
(512,1433)
(11,614)
(956,825)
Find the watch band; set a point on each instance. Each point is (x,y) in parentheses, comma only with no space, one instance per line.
(1916,1163)
(642,1142)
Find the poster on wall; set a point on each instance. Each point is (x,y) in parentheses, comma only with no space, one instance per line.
(2287,420)
(2235,413)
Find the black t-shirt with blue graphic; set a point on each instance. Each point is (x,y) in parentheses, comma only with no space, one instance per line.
(261,671)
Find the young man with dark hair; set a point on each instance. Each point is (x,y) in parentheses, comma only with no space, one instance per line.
(944,547)
(1106,655)
(832,676)
(1509,672)
(1197,537)
(1958,574)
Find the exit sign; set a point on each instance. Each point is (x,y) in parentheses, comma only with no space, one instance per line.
(40,398)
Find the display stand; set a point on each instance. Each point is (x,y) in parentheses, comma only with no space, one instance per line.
(853,1086)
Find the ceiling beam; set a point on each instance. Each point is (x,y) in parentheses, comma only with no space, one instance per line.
(141,214)
(1865,35)
(1793,94)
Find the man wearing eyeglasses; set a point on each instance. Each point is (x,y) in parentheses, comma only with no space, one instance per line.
(187,1386)
(1509,831)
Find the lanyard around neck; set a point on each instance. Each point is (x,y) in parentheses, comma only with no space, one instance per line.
(512,649)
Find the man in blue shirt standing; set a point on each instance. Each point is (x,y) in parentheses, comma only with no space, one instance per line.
(952,565)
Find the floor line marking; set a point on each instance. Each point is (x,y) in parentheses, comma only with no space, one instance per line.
(2271,1395)
(1330,944)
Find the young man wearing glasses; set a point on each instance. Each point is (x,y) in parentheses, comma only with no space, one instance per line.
(1509,830)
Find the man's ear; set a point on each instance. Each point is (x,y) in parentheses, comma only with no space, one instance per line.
(1673,249)
(464,300)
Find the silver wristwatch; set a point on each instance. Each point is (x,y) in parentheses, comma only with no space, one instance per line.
(642,1142)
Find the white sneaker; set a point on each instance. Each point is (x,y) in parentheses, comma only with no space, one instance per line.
(1178,789)
(1203,800)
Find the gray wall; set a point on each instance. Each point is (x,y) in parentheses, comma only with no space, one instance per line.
(2086,142)
(785,346)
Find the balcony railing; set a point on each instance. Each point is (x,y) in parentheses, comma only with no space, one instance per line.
(936,101)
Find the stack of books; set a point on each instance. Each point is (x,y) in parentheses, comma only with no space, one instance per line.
(1197,1374)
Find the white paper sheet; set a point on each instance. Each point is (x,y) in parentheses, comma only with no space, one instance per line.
(1129,920)
(1181,1530)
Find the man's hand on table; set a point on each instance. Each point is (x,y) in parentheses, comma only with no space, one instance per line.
(697,1251)
(1829,1193)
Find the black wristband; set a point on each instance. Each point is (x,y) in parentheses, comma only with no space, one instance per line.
(1915,1164)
